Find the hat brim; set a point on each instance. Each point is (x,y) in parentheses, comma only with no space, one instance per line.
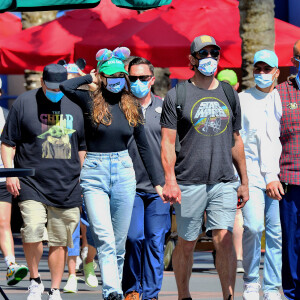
(111,72)
(208,44)
(272,65)
(52,85)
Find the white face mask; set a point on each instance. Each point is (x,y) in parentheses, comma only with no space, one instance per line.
(115,85)
(208,66)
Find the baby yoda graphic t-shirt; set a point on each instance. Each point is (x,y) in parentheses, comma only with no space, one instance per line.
(205,134)
(47,137)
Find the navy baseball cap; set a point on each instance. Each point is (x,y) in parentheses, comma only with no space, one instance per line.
(54,75)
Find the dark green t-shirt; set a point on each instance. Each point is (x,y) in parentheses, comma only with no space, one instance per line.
(205,134)
(47,137)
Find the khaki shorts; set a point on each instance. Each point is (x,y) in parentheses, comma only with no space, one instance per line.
(61,223)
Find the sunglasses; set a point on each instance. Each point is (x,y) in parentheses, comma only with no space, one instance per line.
(213,52)
(141,78)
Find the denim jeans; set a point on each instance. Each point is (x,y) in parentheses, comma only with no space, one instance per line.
(259,208)
(143,267)
(108,186)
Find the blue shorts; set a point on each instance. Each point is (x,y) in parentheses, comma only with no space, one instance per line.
(75,251)
(218,200)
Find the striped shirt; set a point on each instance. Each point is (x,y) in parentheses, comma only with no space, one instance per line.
(290,132)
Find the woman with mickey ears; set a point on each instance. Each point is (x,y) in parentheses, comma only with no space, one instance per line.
(112,115)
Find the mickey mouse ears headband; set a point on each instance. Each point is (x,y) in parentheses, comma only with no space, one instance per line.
(104,55)
(73,68)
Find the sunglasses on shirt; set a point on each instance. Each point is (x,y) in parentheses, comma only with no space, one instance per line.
(141,78)
(213,52)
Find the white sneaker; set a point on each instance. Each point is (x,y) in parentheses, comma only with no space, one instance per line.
(55,295)
(274,295)
(35,290)
(79,265)
(71,286)
(251,291)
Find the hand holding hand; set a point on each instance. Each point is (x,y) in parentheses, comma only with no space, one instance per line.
(171,192)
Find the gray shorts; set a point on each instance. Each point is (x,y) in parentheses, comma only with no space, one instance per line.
(218,200)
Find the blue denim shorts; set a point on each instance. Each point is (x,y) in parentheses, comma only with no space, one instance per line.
(218,200)
(75,251)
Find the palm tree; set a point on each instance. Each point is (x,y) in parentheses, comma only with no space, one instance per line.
(29,19)
(257,33)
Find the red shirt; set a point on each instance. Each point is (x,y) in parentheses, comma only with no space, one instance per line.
(290,132)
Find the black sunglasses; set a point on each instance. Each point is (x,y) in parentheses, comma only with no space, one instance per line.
(213,52)
(297,56)
(141,78)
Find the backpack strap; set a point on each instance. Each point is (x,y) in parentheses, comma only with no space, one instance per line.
(180,89)
(228,90)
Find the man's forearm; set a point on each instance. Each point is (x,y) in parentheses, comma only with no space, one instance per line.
(239,160)
(81,157)
(7,155)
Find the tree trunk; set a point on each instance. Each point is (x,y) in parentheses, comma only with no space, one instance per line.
(257,33)
(29,19)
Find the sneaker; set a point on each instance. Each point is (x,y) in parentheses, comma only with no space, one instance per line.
(55,295)
(84,253)
(71,286)
(239,266)
(79,265)
(274,295)
(132,296)
(251,291)
(35,290)
(89,274)
(113,296)
(16,273)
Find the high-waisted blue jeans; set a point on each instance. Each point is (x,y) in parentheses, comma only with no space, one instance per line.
(108,186)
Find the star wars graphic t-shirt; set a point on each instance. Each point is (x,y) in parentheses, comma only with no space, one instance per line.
(205,134)
(47,137)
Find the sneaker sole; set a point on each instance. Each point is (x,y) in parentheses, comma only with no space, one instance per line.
(240,270)
(69,291)
(19,275)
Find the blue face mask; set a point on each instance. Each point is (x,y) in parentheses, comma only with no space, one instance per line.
(264,80)
(54,96)
(298,75)
(139,88)
(115,85)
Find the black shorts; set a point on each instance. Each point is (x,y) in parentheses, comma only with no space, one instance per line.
(5,196)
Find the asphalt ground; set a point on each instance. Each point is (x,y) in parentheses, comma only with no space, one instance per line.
(204,282)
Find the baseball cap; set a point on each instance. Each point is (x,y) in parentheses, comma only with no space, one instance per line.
(228,75)
(202,41)
(112,66)
(53,75)
(267,56)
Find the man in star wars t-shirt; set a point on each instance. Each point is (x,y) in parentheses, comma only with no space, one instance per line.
(202,178)
(45,131)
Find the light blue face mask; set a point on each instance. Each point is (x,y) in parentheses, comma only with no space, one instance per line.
(54,96)
(139,88)
(264,80)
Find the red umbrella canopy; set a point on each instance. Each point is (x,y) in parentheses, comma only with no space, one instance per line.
(164,35)
(38,46)
(9,24)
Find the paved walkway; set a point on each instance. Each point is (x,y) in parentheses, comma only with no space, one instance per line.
(204,282)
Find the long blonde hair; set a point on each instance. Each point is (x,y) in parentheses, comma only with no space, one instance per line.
(128,104)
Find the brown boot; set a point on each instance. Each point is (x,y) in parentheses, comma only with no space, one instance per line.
(132,296)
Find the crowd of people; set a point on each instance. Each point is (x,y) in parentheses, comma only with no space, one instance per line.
(110,157)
